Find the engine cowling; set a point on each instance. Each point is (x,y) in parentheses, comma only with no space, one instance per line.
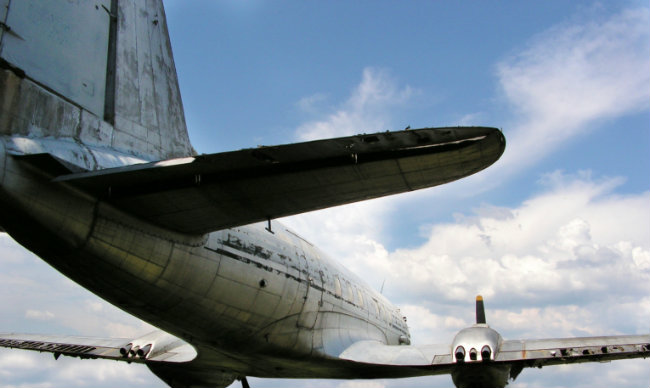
(477,343)
(474,351)
(158,344)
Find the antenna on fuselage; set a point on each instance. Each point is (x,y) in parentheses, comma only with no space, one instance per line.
(268,225)
(381,290)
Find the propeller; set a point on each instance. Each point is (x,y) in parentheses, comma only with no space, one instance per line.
(480,310)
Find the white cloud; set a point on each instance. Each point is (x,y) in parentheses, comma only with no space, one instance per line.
(573,260)
(570,261)
(366,110)
(40,315)
(362,384)
(310,104)
(27,369)
(570,77)
(578,238)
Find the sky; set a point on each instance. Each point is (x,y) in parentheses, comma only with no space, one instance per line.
(555,235)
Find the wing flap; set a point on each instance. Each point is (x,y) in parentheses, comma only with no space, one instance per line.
(210,192)
(557,351)
(81,347)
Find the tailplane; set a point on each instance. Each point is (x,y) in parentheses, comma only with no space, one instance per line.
(80,78)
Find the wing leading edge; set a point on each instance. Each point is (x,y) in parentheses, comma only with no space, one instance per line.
(479,356)
(499,367)
(210,192)
(529,353)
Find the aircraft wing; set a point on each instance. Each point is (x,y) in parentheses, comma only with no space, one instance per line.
(211,192)
(556,351)
(374,352)
(156,346)
(533,353)
(518,354)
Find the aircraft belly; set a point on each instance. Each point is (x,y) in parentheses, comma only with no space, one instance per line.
(26,196)
(186,285)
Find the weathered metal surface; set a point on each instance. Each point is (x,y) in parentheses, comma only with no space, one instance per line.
(243,291)
(217,191)
(159,346)
(554,351)
(148,108)
(149,122)
(476,338)
(375,352)
(250,300)
(62,45)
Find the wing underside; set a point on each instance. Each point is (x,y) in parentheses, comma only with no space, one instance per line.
(210,192)
(525,353)
(155,347)
(82,347)
(556,351)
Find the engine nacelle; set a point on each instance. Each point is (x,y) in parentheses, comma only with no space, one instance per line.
(159,344)
(476,343)
(474,350)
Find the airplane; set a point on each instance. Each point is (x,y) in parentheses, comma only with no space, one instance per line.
(99,179)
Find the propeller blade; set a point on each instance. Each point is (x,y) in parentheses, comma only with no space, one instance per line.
(480,310)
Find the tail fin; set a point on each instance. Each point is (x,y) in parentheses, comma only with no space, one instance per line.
(98,75)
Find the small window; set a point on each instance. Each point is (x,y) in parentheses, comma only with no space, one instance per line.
(337,286)
(376,306)
(349,296)
(359,298)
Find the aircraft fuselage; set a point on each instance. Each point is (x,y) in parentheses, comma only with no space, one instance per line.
(249,294)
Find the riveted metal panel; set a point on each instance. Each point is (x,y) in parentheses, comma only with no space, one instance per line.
(62,45)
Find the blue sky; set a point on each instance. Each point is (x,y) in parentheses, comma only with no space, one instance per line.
(556,235)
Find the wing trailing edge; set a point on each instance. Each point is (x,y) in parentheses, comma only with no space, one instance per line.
(556,351)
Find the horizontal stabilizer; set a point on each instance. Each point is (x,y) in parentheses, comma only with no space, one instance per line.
(210,192)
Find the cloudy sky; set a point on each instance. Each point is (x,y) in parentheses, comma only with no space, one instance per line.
(555,236)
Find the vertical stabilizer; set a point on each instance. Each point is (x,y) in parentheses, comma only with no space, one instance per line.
(89,76)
